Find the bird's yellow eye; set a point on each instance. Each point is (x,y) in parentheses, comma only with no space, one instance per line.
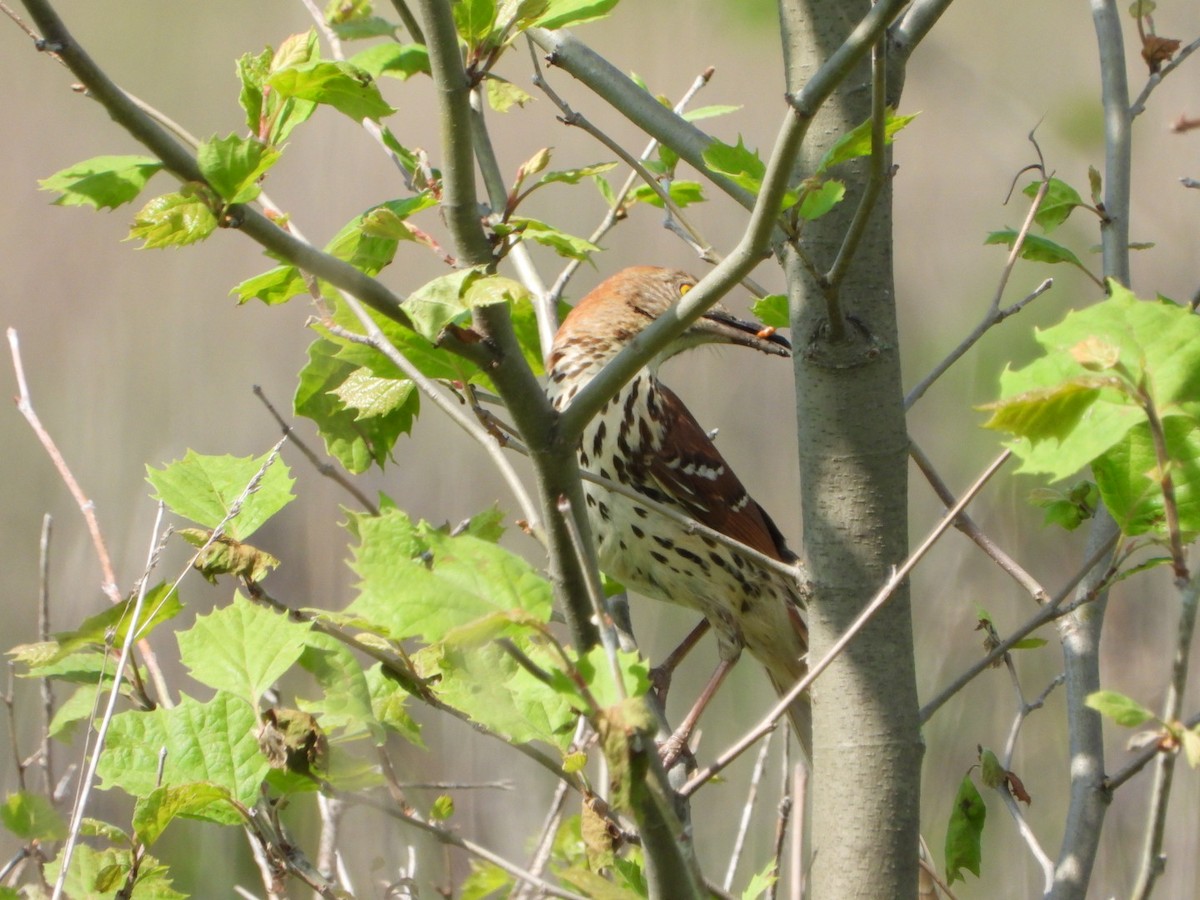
(684,288)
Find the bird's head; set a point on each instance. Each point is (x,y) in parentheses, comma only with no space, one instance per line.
(619,308)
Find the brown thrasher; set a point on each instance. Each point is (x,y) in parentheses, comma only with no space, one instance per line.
(646,439)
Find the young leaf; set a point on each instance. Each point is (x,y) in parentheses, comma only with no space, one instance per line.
(153,813)
(565,245)
(32,817)
(1125,711)
(741,165)
(401,61)
(176,219)
(1158,347)
(503,95)
(474,20)
(1130,478)
(345,704)
(1036,249)
(682,194)
(345,87)
(561,13)
(437,303)
(857,142)
(1060,200)
(275,286)
(574,176)
(103,182)
(708,112)
(356,443)
(225,556)
(964,832)
(208,742)
(420,582)
(242,649)
(205,488)
(233,165)
(817,200)
(772,310)
(110,626)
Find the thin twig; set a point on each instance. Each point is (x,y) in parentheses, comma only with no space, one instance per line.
(1143,758)
(89,777)
(544,847)
(43,626)
(1139,105)
(877,603)
(604,622)
(739,841)
(448,837)
(994,314)
(1053,610)
(322,466)
(967,526)
(1153,861)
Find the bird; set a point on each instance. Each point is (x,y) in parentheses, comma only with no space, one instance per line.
(646,439)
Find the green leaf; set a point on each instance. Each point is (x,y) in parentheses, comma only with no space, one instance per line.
(991,772)
(1130,478)
(817,200)
(741,165)
(474,19)
(369,395)
(388,700)
(368,241)
(1060,200)
(109,627)
(242,649)
(275,286)
(270,115)
(964,831)
(419,582)
(487,684)
(233,165)
(400,61)
(346,702)
(565,245)
(761,882)
(1095,185)
(345,87)
(1125,711)
(355,442)
(561,13)
(1044,413)
(99,874)
(574,176)
(1029,644)
(154,812)
(205,489)
(772,310)
(857,142)
(437,303)
(365,27)
(32,817)
(1191,746)
(211,742)
(103,182)
(442,808)
(503,95)
(1036,249)
(175,220)
(1140,8)
(1157,347)
(485,881)
(708,112)
(682,194)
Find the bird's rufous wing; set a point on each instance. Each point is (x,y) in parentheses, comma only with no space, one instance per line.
(690,471)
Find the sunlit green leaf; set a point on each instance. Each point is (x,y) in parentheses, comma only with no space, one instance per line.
(1125,711)
(857,142)
(206,488)
(103,182)
(175,220)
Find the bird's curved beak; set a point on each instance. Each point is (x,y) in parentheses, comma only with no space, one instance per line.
(722,327)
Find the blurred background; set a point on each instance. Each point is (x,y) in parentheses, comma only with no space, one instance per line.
(135,356)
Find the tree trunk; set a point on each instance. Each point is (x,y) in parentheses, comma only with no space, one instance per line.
(853,467)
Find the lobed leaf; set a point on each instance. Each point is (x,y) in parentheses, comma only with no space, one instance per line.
(103,182)
(205,489)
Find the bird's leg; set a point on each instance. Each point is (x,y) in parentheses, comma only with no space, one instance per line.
(673,746)
(660,675)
